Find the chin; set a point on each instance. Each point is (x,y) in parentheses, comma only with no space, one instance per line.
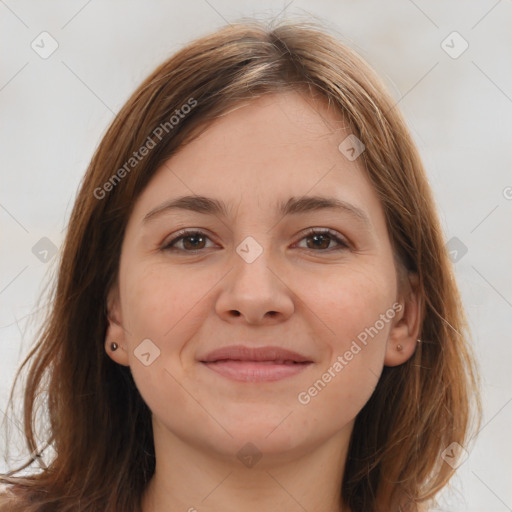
(255,448)
(271,435)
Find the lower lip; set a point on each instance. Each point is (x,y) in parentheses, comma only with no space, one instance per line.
(252,371)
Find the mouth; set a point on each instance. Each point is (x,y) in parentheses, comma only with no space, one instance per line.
(248,364)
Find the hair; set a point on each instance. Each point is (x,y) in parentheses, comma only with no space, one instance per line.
(98,425)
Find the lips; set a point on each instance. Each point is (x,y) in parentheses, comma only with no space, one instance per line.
(251,364)
(262,354)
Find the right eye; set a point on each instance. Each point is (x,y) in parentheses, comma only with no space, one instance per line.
(193,241)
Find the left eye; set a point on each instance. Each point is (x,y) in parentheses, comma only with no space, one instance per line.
(319,237)
(193,241)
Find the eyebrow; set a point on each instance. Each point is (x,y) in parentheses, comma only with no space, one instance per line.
(293,206)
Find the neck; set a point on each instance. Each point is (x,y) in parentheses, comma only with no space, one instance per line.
(190,478)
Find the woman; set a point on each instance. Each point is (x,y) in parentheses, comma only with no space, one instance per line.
(254,309)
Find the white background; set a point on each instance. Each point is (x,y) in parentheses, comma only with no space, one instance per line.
(54,112)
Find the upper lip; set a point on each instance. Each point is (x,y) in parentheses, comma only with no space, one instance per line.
(244,353)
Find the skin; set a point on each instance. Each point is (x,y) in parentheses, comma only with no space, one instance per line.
(296,294)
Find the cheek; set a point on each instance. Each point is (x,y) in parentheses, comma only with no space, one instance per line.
(356,310)
(350,303)
(165,305)
(161,303)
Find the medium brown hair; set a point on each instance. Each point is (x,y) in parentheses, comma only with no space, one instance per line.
(99,426)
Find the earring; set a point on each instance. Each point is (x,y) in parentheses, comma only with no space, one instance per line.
(419,340)
(114,346)
(399,347)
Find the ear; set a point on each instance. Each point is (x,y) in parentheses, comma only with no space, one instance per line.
(115,330)
(406,326)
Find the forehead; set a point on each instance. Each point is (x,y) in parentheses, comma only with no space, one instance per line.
(261,153)
(270,125)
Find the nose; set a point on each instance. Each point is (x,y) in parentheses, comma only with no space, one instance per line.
(256,290)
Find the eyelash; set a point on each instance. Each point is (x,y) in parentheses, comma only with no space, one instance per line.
(311,232)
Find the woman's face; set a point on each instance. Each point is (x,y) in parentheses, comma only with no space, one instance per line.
(255,276)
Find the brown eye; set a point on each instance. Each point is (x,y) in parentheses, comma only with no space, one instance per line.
(321,239)
(191,241)
(317,240)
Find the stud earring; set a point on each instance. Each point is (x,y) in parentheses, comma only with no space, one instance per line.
(399,347)
(114,346)
(419,340)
